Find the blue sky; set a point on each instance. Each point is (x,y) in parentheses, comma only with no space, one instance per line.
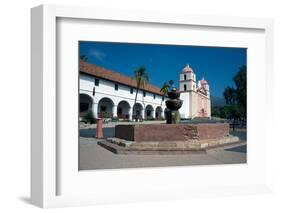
(217,65)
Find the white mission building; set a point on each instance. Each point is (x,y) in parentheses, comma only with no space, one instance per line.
(110,94)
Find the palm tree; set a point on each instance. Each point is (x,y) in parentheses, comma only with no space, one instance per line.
(171,83)
(141,78)
(84,58)
(166,87)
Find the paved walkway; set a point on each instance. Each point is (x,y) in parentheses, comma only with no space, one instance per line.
(92,156)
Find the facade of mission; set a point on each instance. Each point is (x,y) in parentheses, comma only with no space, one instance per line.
(110,93)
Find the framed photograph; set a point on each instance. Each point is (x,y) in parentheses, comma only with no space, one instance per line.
(130,106)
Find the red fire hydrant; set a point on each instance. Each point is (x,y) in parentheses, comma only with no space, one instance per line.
(99,134)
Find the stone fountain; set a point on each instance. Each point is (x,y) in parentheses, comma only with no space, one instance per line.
(173,105)
(170,138)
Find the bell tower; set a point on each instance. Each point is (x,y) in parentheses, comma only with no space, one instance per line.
(187,80)
(205,86)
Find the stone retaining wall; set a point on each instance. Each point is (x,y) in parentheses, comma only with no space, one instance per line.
(171,132)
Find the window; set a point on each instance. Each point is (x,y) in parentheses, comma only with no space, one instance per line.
(185,77)
(132,91)
(184,87)
(144,93)
(154,96)
(116,86)
(97,82)
(163,98)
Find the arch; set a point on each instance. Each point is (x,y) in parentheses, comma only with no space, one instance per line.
(85,104)
(158,112)
(123,110)
(149,112)
(105,108)
(137,111)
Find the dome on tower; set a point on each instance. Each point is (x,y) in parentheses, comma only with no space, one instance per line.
(187,68)
(203,81)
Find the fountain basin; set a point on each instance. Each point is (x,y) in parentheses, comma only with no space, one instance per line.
(174,104)
(171,132)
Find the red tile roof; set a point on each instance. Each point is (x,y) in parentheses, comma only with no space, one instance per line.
(103,73)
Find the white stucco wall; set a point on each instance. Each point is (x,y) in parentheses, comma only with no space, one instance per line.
(194,105)
(107,89)
(185,109)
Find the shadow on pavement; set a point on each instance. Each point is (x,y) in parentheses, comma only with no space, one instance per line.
(90,133)
(241,134)
(241,149)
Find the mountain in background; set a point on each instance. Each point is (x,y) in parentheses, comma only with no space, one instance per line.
(217,101)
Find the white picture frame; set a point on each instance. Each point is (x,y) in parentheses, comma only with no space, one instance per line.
(45,155)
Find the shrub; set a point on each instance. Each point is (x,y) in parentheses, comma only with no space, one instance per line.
(115,119)
(150,119)
(126,120)
(106,115)
(89,117)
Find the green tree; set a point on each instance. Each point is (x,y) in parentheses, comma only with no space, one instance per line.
(166,87)
(229,95)
(240,80)
(236,98)
(171,83)
(232,112)
(141,78)
(83,58)
(216,111)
